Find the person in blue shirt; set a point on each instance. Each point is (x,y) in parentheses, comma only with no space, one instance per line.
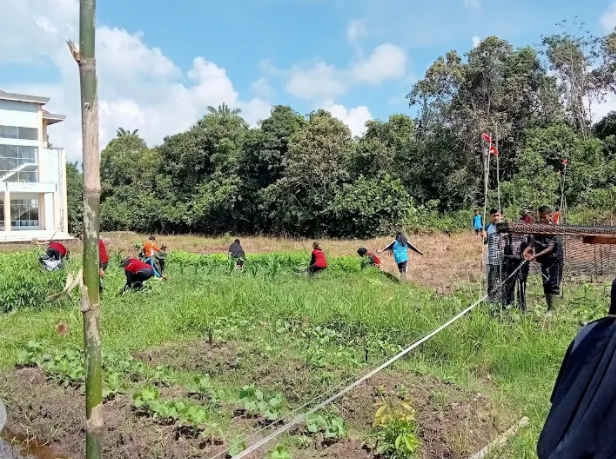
(399,247)
(477,223)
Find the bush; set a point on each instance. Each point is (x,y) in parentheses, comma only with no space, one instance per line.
(24,283)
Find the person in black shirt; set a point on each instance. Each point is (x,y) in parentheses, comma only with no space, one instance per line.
(546,249)
(516,268)
(237,253)
(581,420)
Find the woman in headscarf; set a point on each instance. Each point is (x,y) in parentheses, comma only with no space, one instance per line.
(399,247)
(581,421)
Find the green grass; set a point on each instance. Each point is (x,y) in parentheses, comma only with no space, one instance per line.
(511,358)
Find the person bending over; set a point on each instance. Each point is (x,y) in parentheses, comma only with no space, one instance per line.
(368,258)
(236,252)
(399,248)
(137,272)
(318,262)
(581,421)
(57,251)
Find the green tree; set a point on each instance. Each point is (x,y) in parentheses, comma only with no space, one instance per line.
(74,192)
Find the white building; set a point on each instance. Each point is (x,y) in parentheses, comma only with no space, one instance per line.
(32,173)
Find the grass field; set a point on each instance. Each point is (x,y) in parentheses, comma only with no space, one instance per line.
(212,356)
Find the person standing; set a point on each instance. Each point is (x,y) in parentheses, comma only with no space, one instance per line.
(546,249)
(477,223)
(399,247)
(236,252)
(556,216)
(517,267)
(496,245)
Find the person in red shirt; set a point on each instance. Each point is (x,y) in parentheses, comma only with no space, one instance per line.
(318,262)
(137,272)
(556,216)
(57,251)
(368,258)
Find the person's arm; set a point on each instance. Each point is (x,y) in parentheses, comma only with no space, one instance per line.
(389,247)
(549,249)
(413,248)
(313,259)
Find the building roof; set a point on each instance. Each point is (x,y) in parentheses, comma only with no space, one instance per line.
(52,118)
(23,98)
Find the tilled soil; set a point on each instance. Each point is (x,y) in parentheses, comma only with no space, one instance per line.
(451,423)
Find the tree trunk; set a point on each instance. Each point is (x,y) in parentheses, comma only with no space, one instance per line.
(90,296)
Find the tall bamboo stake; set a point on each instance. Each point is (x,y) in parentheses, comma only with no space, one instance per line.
(90,297)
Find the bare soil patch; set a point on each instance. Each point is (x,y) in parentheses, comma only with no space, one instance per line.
(452,423)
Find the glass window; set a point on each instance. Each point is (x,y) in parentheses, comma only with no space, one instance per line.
(24,214)
(2,215)
(14,132)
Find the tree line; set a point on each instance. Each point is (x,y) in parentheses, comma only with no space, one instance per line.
(307,175)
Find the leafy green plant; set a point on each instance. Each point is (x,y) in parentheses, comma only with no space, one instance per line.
(331,426)
(256,404)
(33,354)
(394,432)
(279,452)
(202,387)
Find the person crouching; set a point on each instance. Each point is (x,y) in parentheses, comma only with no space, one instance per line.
(137,272)
(318,262)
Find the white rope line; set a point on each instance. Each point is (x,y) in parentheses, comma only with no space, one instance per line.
(367,376)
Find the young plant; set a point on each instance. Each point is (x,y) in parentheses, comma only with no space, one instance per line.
(255,403)
(331,426)
(394,431)
(279,452)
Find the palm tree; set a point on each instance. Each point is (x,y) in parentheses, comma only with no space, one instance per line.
(224,111)
(121,132)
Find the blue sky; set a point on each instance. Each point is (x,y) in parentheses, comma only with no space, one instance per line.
(257,53)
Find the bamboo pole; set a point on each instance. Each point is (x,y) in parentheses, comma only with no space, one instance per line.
(90,296)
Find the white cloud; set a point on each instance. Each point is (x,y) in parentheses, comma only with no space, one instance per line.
(142,88)
(354,118)
(608,18)
(356,30)
(323,82)
(472,4)
(139,87)
(476,40)
(262,88)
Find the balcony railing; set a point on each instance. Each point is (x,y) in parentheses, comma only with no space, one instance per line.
(18,163)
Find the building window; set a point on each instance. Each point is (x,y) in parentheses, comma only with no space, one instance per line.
(2,216)
(15,132)
(18,163)
(24,214)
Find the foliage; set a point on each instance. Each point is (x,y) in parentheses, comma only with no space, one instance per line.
(306,175)
(331,426)
(394,430)
(24,283)
(74,192)
(255,403)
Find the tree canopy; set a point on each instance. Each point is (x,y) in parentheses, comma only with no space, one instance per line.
(307,175)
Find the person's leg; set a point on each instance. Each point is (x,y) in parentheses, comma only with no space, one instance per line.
(554,271)
(491,283)
(140,277)
(402,267)
(523,277)
(546,267)
(508,271)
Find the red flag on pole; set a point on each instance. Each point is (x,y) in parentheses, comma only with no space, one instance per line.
(487,138)
(493,150)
